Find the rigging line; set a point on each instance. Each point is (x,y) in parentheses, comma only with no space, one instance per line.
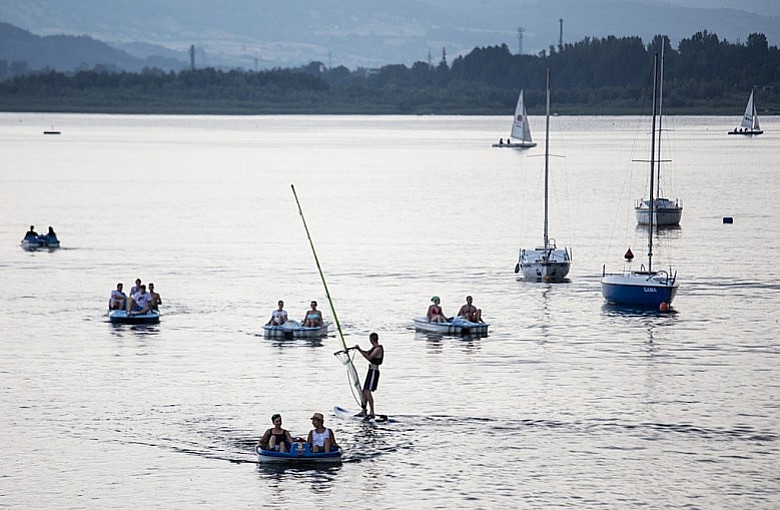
(322,276)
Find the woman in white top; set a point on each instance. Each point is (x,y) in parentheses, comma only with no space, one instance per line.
(279,316)
(321,439)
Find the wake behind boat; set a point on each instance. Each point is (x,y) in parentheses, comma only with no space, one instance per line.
(294,329)
(749,125)
(125,317)
(521,130)
(457,326)
(299,454)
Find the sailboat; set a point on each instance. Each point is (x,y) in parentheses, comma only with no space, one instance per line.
(666,212)
(644,288)
(548,262)
(750,125)
(520,129)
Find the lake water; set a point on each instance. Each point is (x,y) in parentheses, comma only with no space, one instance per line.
(567,403)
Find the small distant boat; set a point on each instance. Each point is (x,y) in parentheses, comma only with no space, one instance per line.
(546,263)
(51,131)
(666,212)
(457,326)
(299,454)
(293,329)
(644,288)
(123,317)
(750,125)
(32,244)
(520,129)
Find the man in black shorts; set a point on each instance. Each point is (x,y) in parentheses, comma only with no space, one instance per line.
(375,355)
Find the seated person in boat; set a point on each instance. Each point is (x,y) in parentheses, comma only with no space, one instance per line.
(141,302)
(51,237)
(31,234)
(276,438)
(135,288)
(470,312)
(118,299)
(313,317)
(435,313)
(278,316)
(155,297)
(320,438)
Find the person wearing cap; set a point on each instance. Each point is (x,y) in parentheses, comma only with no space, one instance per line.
(278,316)
(321,439)
(470,312)
(375,355)
(276,438)
(435,314)
(313,318)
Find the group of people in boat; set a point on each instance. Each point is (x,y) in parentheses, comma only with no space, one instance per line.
(320,439)
(312,319)
(467,312)
(47,239)
(139,302)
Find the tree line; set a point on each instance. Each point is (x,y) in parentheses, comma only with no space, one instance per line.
(610,75)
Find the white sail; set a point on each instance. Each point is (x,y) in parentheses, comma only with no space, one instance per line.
(750,110)
(520,128)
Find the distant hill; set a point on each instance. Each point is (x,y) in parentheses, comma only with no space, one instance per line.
(372,33)
(67,52)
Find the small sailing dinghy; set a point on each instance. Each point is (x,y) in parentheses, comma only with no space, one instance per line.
(644,288)
(749,125)
(456,326)
(666,212)
(521,130)
(123,317)
(294,329)
(547,263)
(298,454)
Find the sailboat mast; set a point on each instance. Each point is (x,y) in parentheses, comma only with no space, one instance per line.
(660,119)
(652,166)
(547,163)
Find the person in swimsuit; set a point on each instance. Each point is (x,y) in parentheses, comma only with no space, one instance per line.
(276,438)
(470,312)
(313,317)
(320,438)
(156,299)
(375,356)
(278,316)
(435,314)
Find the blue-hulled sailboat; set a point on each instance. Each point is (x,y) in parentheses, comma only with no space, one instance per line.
(644,288)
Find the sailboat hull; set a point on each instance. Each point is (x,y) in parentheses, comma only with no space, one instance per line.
(665,212)
(639,289)
(750,132)
(545,265)
(521,145)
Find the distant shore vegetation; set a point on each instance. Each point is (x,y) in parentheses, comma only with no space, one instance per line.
(596,76)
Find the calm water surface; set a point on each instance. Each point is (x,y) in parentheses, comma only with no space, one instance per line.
(567,403)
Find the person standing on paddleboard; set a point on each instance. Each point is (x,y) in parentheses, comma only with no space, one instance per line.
(375,355)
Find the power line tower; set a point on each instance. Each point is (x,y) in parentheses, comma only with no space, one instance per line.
(520,31)
(430,59)
(192,57)
(560,35)
(444,55)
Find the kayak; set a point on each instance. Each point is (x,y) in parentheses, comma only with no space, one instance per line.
(122,317)
(300,454)
(456,326)
(293,329)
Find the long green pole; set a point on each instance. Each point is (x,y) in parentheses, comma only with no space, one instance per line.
(322,276)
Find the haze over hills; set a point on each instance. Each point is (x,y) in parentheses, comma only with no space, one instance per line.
(366,33)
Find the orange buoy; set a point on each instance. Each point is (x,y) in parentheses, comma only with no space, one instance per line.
(663,306)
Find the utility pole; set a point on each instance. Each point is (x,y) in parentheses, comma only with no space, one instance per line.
(560,36)
(192,57)
(520,31)
(430,59)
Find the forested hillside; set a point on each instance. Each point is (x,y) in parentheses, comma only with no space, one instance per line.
(704,74)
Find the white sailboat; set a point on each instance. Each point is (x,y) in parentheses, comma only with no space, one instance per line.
(750,125)
(644,288)
(546,263)
(520,129)
(666,212)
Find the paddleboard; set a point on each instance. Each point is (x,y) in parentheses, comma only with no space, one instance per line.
(346,414)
